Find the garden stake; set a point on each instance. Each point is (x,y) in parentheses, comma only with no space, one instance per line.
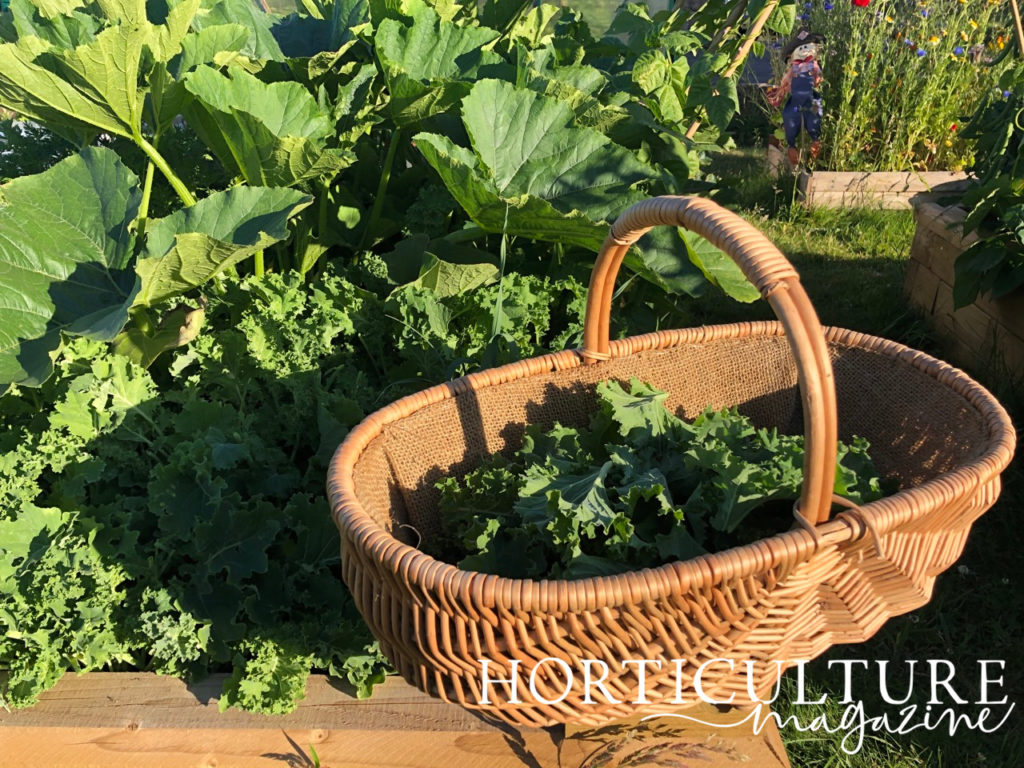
(1017,25)
(741,54)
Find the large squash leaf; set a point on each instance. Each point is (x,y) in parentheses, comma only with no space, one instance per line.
(64,252)
(430,63)
(272,134)
(531,171)
(78,87)
(261,43)
(190,246)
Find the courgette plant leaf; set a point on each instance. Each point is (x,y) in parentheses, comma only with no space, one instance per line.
(190,246)
(272,134)
(261,43)
(64,253)
(305,36)
(556,181)
(60,23)
(430,63)
(93,86)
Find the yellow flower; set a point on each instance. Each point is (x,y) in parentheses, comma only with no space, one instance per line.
(963,36)
(853,73)
(933,40)
(889,19)
(949,143)
(973,23)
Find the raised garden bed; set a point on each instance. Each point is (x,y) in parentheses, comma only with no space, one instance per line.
(860,189)
(981,334)
(142,720)
(865,189)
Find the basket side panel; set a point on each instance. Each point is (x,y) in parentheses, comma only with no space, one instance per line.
(380,492)
(918,428)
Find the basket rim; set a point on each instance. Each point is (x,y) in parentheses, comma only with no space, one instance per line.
(487,592)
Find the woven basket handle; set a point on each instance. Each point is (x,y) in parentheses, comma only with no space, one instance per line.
(766,267)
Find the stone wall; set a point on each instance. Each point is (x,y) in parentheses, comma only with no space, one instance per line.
(984,333)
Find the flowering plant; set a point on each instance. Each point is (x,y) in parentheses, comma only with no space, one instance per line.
(899,76)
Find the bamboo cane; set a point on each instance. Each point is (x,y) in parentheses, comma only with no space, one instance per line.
(741,54)
(1017,25)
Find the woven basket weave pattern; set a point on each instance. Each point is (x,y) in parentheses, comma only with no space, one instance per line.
(785,598)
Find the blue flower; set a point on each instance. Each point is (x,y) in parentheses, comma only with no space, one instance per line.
(1006,94)
(828,6)
(924,12)
(959,50)
(805,16)
(921,52)
(908,41)
(808,5)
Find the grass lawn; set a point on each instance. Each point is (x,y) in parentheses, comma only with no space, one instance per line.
(852,264)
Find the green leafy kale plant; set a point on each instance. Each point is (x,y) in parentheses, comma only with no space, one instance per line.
(638,488)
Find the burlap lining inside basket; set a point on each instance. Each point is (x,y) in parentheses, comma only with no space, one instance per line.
(917,430)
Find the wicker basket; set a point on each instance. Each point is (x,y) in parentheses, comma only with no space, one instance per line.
(784,598)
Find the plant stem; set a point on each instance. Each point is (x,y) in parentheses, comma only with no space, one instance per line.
(382,188)
(258,263)
(158,160)
(147,192)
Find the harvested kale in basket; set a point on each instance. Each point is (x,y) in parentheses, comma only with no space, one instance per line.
(638,488)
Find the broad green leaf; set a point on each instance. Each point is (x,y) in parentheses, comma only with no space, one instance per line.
(32,525)
(529,146)
(782,19)
(446,279)
(64,249)
(29,19)
(305,36)
(93,85)
(190,246)
(422,60)
(718,267)
(51,9)
(178,327)
(272,134)
(525,215)
(724,103)
(531,27)
(203,46)
(498,14)
(286,108)
(663,261)
(261,43)
(532,172)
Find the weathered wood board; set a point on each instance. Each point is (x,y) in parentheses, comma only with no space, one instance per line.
(138,720)
(855,189)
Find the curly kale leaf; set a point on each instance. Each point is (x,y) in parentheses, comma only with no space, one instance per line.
(636,488)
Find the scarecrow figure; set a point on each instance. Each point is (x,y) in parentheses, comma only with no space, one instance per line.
(799,84)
